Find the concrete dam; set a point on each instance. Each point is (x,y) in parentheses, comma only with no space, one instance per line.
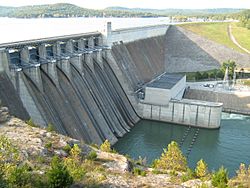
(87,85)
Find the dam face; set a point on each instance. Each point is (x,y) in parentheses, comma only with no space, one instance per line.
(90,86)
(77,83)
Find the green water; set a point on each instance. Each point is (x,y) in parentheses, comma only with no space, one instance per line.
(227,146)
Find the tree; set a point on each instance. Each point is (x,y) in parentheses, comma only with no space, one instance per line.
(74,164)
(242,178)
(106,146)
(198,75)
(201,169)
(220,178)
(231,65)
(172,159)
(58,175)
(204,75)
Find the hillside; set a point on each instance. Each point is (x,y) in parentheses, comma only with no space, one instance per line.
(34,149)
(70,10)
(35,157)
(64,10)
(173,12)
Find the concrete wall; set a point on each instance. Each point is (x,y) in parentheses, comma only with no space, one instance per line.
(186,112)
(132,34)
(157,96)
(232,102)
(178,90)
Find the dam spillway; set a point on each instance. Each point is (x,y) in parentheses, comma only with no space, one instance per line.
(89,85)
(76,83)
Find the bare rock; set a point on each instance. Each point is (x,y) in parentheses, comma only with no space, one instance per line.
(4,116)
(115,162)
(192,183)
(4,109)
(60,153)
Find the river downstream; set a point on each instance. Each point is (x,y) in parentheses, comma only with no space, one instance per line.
(227,146)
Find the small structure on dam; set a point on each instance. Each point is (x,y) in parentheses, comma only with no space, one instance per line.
(163,102)
(165,88)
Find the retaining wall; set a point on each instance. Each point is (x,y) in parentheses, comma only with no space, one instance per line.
(138,33)
(232,102)
(186,112)
(132,34)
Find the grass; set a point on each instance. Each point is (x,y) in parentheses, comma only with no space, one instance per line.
(246,82)
(216,32)
(242,35)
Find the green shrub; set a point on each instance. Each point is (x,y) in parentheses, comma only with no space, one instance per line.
(171,159)
(31,123)
(67,148)
(75,152)
(58,175)
(201,169)
(48,145)
(242,178)
(106,146)
(3,182)
(203,185)
(50,128)
(139,172)
(74,163)
(205,75)
(155,171)
(220,178)
(92,155)
(198,76)
(75,168)
(188,175)
(19,176)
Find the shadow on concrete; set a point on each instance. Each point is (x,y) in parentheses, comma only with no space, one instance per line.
(10,98)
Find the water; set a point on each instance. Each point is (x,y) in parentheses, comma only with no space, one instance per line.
(13,29)
(227,146)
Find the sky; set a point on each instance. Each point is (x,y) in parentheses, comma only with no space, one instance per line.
(155,4)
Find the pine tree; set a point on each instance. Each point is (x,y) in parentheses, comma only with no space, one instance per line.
(172,159)
(58,175)
(201,169)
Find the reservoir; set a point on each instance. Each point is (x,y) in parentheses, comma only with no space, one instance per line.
(227,146)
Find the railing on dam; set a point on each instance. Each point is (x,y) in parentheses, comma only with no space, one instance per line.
(33,53)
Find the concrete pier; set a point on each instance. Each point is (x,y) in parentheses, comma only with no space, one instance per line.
(4,64)
(88,59)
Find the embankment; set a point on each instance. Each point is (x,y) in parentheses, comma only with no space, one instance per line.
(189,52)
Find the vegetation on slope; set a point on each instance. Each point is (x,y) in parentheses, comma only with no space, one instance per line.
(65,10)
(215,74)
(69,10)
(174,12)
(244,18)
(217,32)
(33,157)
(242,35)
